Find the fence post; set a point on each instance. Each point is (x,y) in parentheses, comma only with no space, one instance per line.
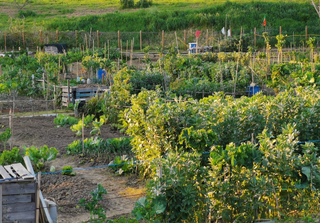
(98,42)
(185,39)
(255,36)
(162,39)
(140,40)
(57,36)
(5,41)
(76,33)
(41,40)
(118,39)
(306,33)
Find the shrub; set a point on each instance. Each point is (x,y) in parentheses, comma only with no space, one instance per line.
(26,13)
(126,4)
(143,4)
(67,170)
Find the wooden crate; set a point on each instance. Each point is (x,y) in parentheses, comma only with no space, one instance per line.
(18,191)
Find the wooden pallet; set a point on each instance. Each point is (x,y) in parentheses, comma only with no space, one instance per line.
(17,194)
(77,94)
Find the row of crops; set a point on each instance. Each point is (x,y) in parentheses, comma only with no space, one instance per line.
(207,152)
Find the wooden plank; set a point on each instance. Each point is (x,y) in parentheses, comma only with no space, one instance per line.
(11,199)
(19,188)
(0,203)
(20,221)
(9,170)
(17,207)
(43,203)
(19,168)
(18,216)
(4,173)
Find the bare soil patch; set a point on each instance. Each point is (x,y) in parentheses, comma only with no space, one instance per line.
(122,191)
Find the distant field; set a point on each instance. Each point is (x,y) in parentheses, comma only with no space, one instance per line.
(105,15)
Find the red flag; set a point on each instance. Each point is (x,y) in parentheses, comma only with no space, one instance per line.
(198,34)
(264,21)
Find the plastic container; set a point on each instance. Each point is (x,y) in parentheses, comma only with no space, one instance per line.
(253,90)
(100,73)
(52,208)
(88,81)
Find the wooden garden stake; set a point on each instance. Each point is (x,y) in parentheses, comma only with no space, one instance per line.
(140,40)
(5,41)
(41,40)
(306,33)
(83,133)
(255,36)
(76,33)
(185,39)
(118,39)
(127,50)
(68,84)
(43,83)
(98,38)
(175,33)
(162,39)
(47,86)
(280,30)
(38,198)
(108,49)
(23,40)
(57,36)
(207,37)
(105,50)
(121,49)
(86,39)
(131,52)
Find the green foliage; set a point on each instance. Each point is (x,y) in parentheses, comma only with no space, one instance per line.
(9,157)
(122,164)
(96,146)
(97,124)
(5,136)
(67,170)
(78,127)
(41,155)
(97,213)
(63,120)
(178,194)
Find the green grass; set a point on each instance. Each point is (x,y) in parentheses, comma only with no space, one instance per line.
(168,15)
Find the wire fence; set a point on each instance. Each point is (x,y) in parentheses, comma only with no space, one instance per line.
(156,40)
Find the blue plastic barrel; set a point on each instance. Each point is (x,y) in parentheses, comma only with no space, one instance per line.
(253,90)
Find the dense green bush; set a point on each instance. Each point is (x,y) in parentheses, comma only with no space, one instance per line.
(26,13)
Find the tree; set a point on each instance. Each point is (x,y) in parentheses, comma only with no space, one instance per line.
(317,8)
(21,5)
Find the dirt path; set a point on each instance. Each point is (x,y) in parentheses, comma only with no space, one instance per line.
(122,191)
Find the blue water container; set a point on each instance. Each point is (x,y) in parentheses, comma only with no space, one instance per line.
(100,73)
(253,90)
